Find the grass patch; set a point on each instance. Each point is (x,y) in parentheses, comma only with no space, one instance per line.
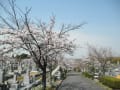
(105,87)
(111,82)
(86,74)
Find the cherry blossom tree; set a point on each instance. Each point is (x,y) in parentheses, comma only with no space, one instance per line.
(102,56)
(40,40)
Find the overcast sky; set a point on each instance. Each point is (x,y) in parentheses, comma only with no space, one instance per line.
(102,17)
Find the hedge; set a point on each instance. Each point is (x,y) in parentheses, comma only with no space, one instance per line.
(111,82)
(86,74)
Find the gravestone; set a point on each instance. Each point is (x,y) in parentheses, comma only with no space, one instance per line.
(1,76)
(14,87)
(34,68)
(26,78)
(19,68)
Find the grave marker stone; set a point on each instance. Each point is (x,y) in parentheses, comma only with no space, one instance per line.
(1,76)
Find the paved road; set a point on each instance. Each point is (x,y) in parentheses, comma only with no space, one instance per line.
(75,81)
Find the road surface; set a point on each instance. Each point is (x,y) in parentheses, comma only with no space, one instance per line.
(75,81)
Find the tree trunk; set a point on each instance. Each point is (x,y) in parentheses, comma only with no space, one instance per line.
(51,76)
(44,78)
(104,71)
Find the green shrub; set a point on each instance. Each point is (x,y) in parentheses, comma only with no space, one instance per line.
(111,82)
(63,75)
(77,69)
(86,74)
